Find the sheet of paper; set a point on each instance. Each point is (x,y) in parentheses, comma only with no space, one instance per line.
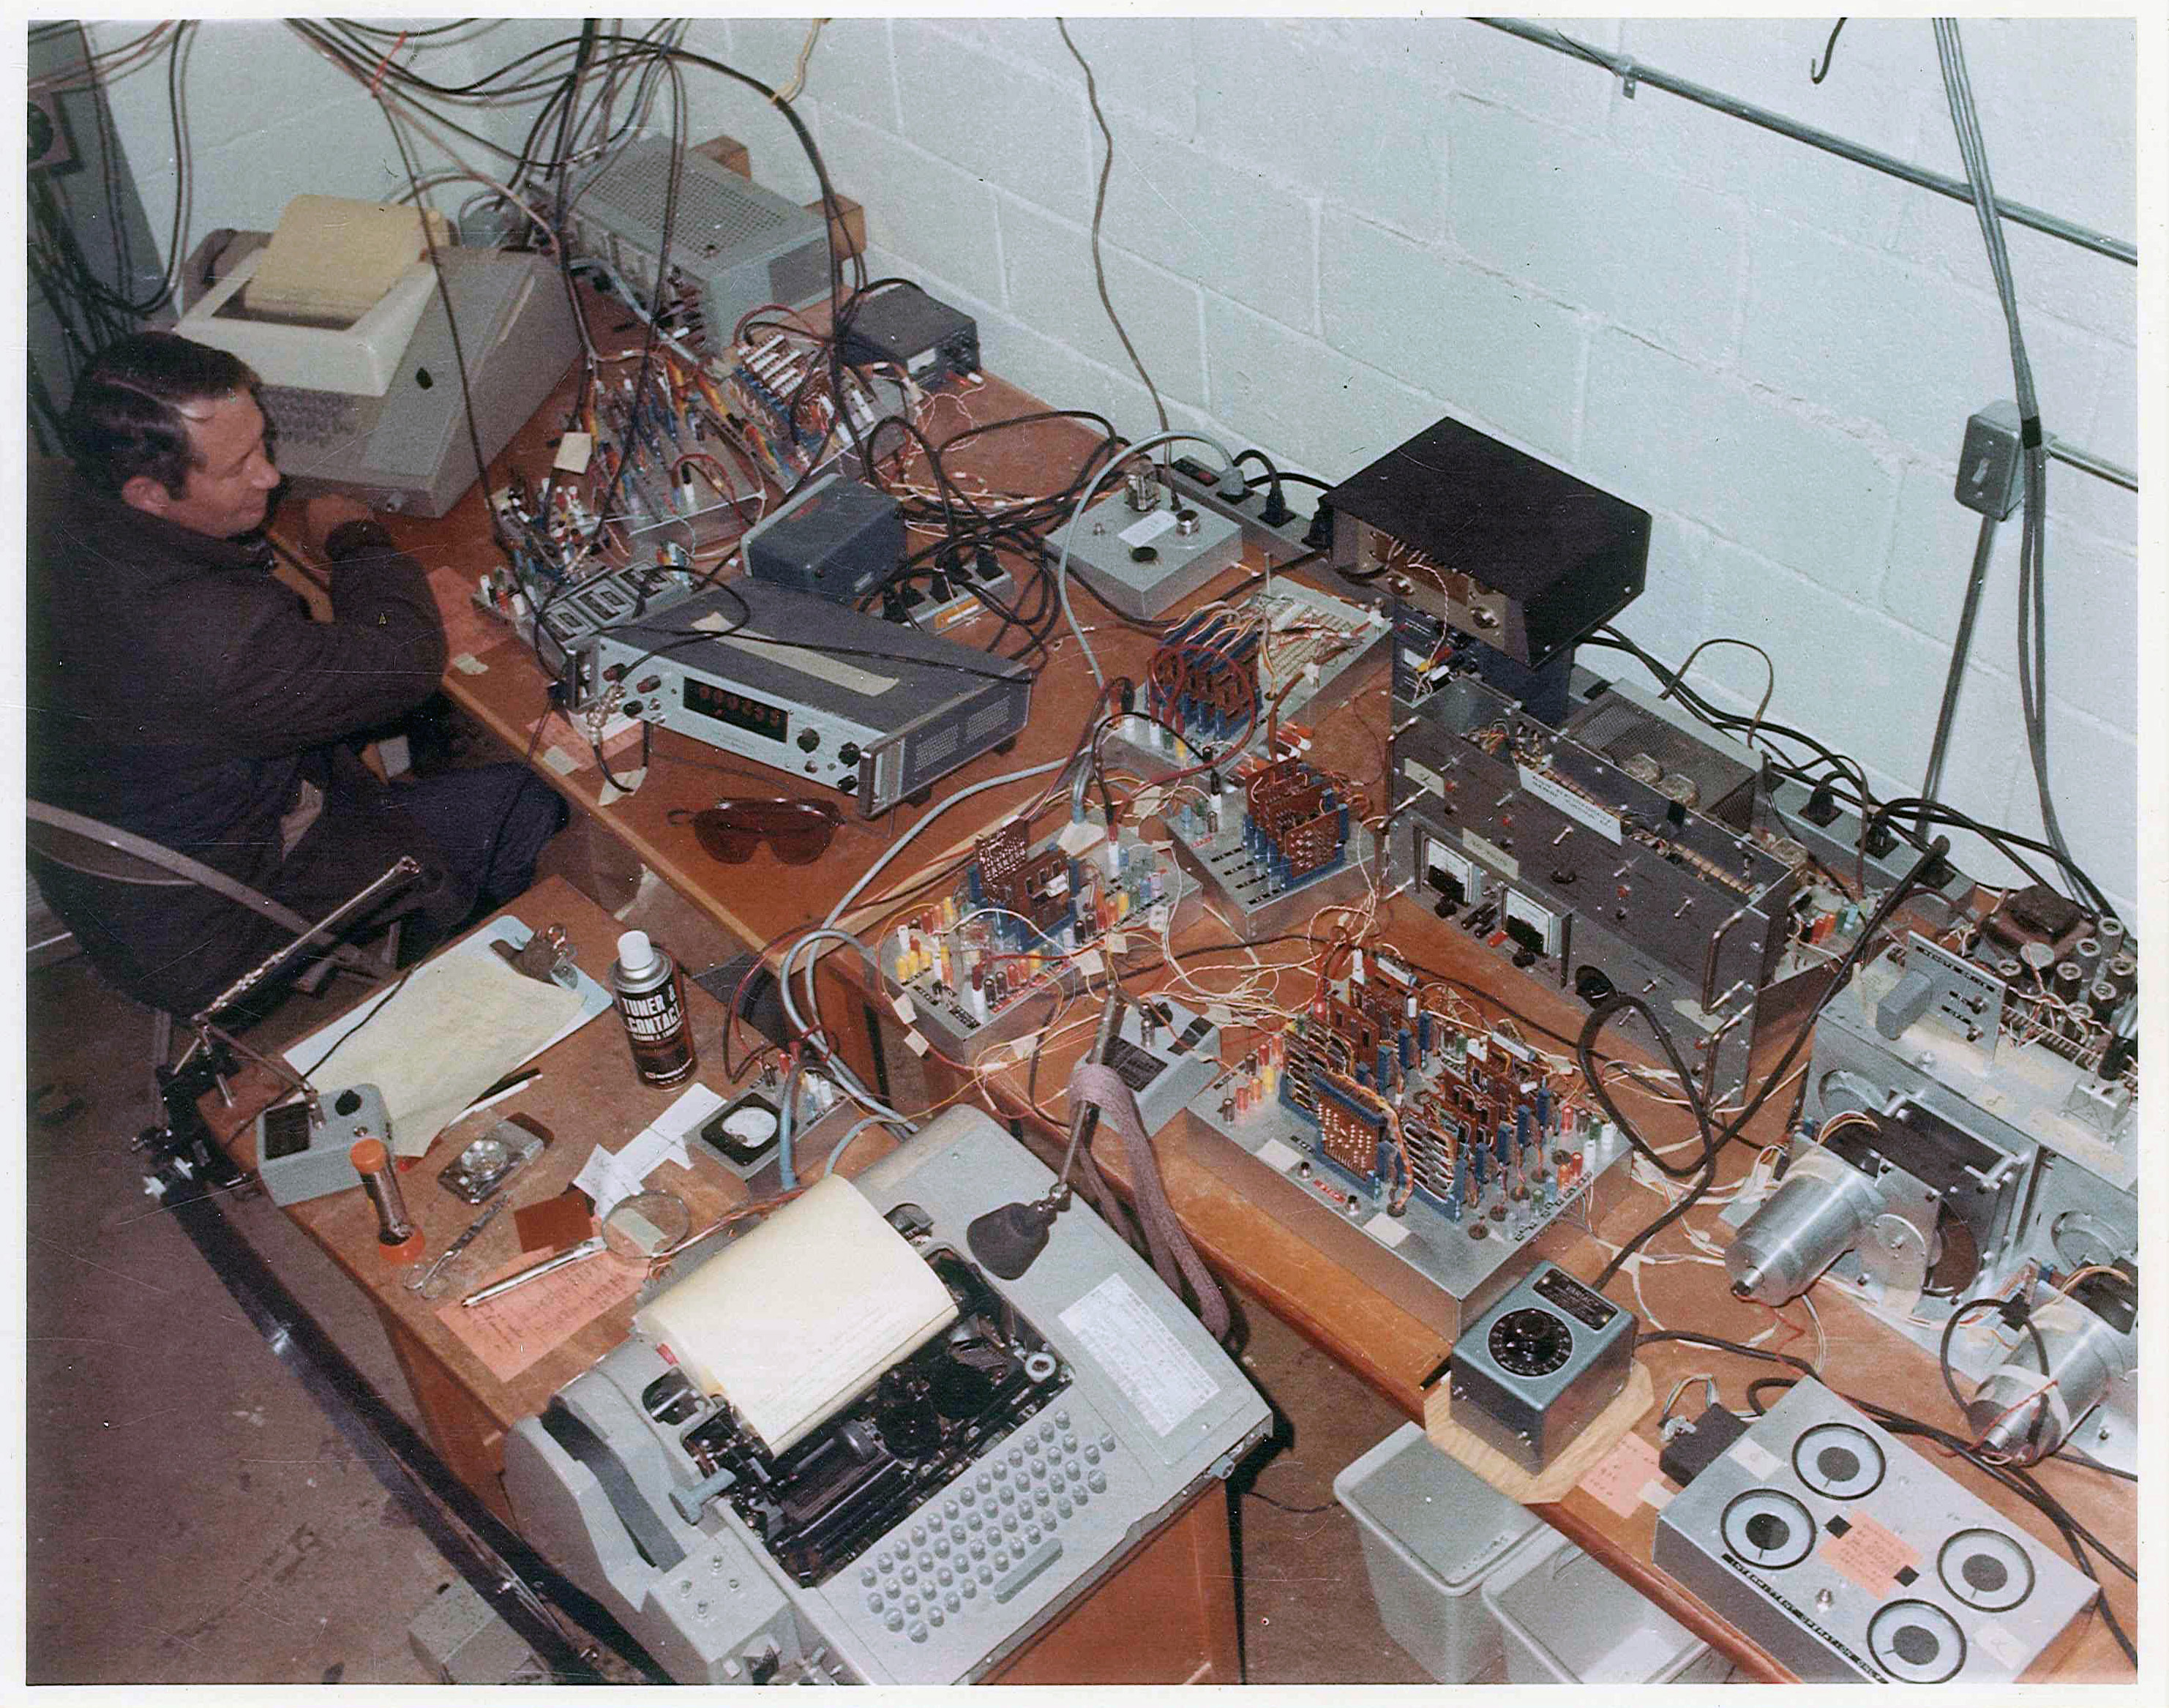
(1872,1555)
(604,1181)
(1621,1476)
(803,1314)
(684,1117)
(514,1330)
(607,1177)
(444,1034)
(649,1150)
(1127,1339)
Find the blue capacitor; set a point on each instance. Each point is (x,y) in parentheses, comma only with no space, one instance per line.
(1502,1143)
(1454,1192)
(1363,1076)
(1408,1043)
(1544,1108)
(1385,1070)
(1521,1127)
(1424,1031)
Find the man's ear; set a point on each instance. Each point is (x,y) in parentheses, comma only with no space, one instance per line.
(142,493)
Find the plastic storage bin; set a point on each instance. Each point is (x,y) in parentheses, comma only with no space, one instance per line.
(1431,1530)
(1568,1621)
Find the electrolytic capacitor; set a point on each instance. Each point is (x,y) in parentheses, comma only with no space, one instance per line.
(2086,955)
(398,1240)
(2010,969)
(2123,974)
(2101,999)
(2111,934)
(2068,980)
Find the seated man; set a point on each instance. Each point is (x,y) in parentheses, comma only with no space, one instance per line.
(178,690)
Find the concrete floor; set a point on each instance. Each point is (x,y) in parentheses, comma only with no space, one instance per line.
(193,1517)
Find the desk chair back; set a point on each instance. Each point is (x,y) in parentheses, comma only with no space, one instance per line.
(105,851)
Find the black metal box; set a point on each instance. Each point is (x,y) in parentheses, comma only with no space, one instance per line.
(1492,541)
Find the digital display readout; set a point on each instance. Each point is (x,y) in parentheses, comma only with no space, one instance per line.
(740,711)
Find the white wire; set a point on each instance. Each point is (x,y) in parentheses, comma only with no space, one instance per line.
(905,840)
(839,1071)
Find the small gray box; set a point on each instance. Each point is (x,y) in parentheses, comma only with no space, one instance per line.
(836,540)
(1567,1620)
(1432,1531)
(1143,563)
(301,1153)
(740,245)
(461,1639)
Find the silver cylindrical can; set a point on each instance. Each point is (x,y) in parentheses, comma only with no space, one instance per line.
(652,1003)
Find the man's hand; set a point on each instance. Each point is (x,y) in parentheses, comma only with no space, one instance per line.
(323,514)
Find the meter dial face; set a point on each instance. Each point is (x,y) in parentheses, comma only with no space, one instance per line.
(1530,1341)
(1987,1569)
(1917,1642)
(1767,1528)
(750,1124)
(1838,1460)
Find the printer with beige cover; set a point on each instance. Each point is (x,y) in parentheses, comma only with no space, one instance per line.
(378,347)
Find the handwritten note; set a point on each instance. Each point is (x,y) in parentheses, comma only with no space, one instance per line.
(1871,1555)
(1620,1477)
(514,1330)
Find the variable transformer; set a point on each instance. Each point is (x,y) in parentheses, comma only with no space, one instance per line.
(1535,1369)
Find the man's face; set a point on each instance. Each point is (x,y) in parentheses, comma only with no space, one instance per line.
(229,488)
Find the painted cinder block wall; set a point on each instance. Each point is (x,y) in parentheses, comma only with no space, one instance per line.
(1324,234)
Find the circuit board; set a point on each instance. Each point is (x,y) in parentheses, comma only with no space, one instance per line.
(1026,920)
(1426,1151)
(1276,842)
(1225,677)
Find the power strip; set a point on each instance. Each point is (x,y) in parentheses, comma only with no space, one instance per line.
(1277,543)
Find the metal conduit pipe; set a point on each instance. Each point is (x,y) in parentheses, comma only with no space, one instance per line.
(1630,73)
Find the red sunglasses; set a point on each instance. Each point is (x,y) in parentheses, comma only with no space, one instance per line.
(798,832)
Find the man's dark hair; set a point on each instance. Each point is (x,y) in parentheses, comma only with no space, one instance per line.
(125,419)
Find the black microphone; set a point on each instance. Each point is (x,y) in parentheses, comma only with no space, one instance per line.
(1008,1238)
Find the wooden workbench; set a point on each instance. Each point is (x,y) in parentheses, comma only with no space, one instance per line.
(1400,1356)
(1165,1615)
(495,679)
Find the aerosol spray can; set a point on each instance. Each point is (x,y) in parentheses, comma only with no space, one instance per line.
(649,1000)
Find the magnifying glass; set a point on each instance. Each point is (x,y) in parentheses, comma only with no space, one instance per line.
(636,1228)
(645,1223)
